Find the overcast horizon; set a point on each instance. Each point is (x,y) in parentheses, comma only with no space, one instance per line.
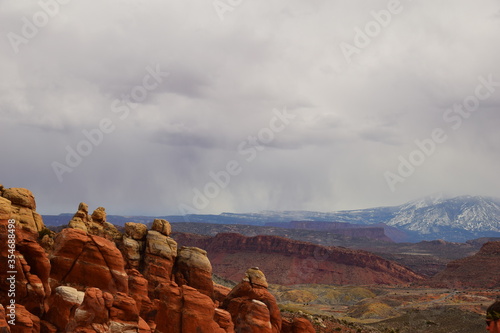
(167,107)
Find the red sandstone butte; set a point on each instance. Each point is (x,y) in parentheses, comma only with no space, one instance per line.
(288,262)
(471,271)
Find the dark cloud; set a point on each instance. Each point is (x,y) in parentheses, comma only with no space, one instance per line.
(349,124)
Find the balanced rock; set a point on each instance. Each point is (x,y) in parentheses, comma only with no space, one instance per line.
(162,226)
(255,276)
(99,215)
(137,231)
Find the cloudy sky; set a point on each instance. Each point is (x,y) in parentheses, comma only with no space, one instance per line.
(166,107)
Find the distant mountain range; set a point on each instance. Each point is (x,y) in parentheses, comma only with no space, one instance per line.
(436,217)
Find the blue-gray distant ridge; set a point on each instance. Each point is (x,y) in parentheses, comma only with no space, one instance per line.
(455,219)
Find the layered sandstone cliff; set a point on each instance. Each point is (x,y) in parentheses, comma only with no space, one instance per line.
(481,270)
(289,262)
(345,229)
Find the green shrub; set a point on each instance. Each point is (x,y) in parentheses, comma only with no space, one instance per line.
(43,232)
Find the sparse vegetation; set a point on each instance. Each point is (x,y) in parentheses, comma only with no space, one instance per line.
(44,231)
(386,309)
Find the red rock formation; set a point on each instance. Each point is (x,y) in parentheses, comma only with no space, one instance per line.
(84,287)
(132,252)
(159,259)
(162,226)
(138,290)
(4,327)
(481,270)
(184,309)
(123,314)
(20,252)
(252,305)
(5,208)
(198,312)
(289,262)
(81,219)
(143,326)
(46,327)
(99,215)
(36,271)
(22,259)
(82,260)
(137,231)
(250,315)
(19,204)
(220,292)
(94,224)
(62,304)
(26,322)
(133,243)
(193,268)
(297,325)
(93,312)
(377,232)
(20,197)
(223,319)
(29,288)
(30,264)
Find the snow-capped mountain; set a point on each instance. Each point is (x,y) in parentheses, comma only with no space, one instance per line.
(435,214)
(433,217)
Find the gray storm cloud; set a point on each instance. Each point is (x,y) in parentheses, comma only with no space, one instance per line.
(366,86)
